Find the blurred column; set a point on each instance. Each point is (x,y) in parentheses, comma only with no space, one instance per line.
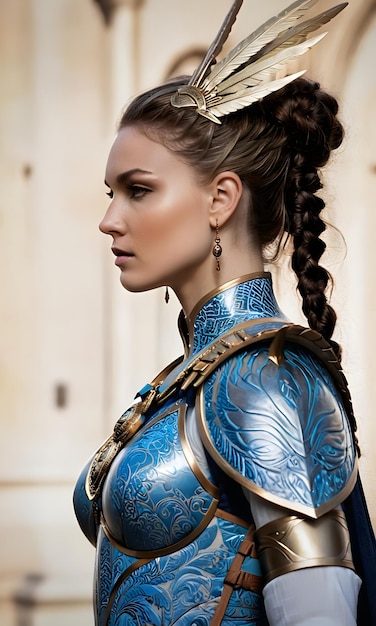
(131,318)
(51,332)
(125,45)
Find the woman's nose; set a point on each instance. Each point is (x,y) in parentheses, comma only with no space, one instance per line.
(112,221)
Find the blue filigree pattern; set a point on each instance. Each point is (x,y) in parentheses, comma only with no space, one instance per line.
(83,507)
(249,300)
(181,589)
(283,428)
(151,498)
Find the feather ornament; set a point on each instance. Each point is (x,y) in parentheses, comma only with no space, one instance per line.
(299,34)
(250,71)
(258,39)
(244,98)
(217,45)
(266,67)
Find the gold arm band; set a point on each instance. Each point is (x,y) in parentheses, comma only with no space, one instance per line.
(291,543)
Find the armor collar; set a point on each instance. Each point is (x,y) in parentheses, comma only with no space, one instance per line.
(246,298)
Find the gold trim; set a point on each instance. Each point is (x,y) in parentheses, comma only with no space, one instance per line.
(125,428)
(276,349)
(190,318)
(211,489)
(140,562)
(199,367)
(132,568)
(190,457)
(166,371)
(291,543)
(174,547)
(311,512)
(227,345)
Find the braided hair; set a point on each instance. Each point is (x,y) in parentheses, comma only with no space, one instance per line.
(309,117)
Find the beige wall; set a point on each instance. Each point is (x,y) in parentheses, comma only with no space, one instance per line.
(64,318)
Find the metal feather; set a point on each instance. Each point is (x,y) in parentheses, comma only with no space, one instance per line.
(249,72)
(228,104)
(298,34)
(266,67)
(256,41)
(217,44)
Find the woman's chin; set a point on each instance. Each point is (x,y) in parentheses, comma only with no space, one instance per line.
(134,287)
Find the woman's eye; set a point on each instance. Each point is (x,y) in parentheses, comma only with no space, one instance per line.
(136,192)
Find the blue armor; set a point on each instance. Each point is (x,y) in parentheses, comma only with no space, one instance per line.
(273,420)
(280,430)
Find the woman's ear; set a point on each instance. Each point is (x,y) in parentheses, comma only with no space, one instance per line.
(227,190)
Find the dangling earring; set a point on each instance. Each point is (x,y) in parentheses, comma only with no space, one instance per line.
(167,295)
(217,248)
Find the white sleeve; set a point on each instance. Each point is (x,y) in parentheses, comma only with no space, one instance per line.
(316,596)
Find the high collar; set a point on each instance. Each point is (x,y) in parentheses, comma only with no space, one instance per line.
(246,298)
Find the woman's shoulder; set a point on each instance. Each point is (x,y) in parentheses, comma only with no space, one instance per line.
(276,419)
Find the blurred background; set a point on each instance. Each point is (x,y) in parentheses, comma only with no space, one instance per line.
(74,346)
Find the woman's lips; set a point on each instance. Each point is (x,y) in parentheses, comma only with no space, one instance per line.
(122,256)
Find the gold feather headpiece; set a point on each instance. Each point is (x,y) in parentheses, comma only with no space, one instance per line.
(250,71)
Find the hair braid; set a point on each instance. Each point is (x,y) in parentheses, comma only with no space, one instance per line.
(309,117)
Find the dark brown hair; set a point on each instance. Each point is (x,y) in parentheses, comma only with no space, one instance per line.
(276,146)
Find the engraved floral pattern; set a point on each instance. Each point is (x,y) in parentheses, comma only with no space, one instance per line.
(181,589)
(151,498)
(282,427)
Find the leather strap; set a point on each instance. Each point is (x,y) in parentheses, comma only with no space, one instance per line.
(236,578)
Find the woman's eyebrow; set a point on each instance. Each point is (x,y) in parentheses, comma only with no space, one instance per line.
(124,177)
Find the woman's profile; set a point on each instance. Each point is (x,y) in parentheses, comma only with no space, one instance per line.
(228,493)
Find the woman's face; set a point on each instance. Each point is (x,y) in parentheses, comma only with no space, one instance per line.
(158,216)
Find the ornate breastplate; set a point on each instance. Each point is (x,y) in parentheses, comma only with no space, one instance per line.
(155,499)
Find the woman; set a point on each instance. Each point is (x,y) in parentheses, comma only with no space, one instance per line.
(253,426)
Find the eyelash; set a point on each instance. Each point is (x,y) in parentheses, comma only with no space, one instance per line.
(135,192)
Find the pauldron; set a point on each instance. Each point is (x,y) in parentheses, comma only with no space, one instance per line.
(273,418)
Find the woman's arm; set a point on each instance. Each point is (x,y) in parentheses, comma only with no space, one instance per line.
(312,596)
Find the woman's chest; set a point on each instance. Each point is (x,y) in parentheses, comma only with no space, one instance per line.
(155,498)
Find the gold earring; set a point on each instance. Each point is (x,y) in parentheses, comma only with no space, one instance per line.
(217,248)
(167,295)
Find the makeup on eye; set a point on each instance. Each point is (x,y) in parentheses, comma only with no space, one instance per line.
(135,192)
(126,181)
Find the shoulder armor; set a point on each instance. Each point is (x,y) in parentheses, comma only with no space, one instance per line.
(274,419)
